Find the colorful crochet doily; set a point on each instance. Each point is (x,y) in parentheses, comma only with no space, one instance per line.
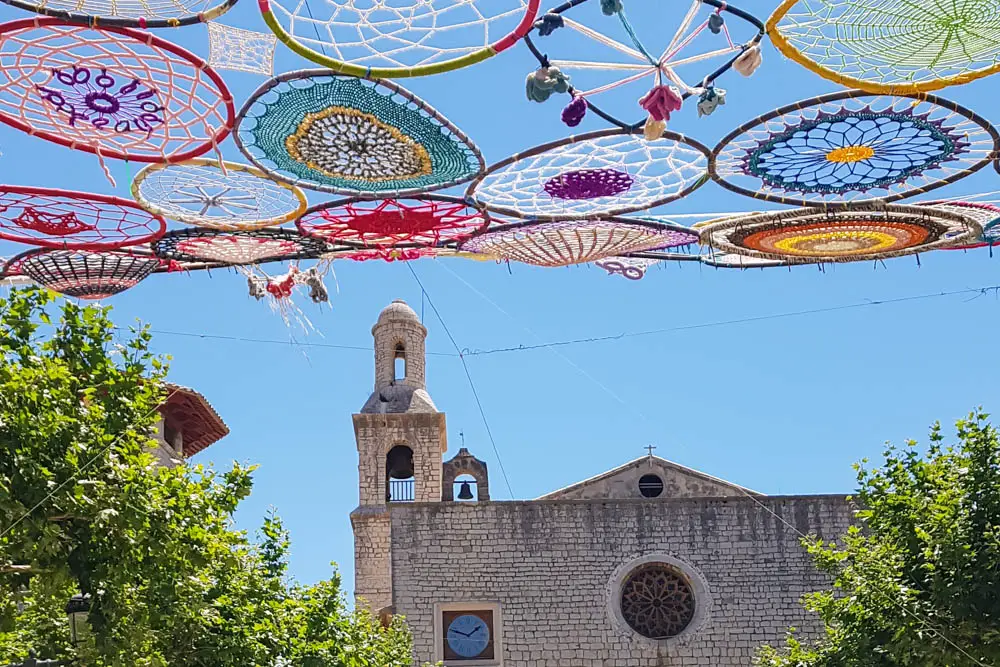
(576,242)
(74,220)
(128,13)
(116,92)
(852,146)
(81,273)
(598,174)
(399,39)
(985,215)
(860,232)
(428,220)
(352,136)
(198,192)
(235,248)
(608,55)
(888,46)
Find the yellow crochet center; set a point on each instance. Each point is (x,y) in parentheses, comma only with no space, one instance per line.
(850,154)
(837,243)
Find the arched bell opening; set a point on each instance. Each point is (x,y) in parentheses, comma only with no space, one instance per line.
(466,488)
(399,361)
(399,481)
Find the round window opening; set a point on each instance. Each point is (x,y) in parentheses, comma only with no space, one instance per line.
(657,601)
(650,486)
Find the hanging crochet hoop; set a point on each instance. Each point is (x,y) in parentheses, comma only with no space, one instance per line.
(83,274)
(702,49)
(128,13)
(402,39)
(862,232)
(597,174)
(985,215)
(198,192)
(240,50)
(428,220)
(576,242)
(116,92)
(52,218)
(884,46)
(733,260)
(852,146)
(352,136)
(385,254)
(235,248)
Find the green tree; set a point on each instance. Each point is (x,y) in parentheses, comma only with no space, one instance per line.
(85,508)
(917,581)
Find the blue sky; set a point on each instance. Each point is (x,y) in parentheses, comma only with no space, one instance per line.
(782,405)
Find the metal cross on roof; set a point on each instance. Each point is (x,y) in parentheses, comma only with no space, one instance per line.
(650,449)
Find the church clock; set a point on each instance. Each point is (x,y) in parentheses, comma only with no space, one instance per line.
(467,636)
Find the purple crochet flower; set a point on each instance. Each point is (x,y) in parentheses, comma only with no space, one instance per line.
(94,96)
(575,111)
(588,184)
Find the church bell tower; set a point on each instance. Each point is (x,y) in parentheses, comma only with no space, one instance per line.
(401,437)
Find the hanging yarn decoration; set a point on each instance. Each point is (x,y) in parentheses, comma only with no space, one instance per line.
(852,146)
(602,173)
(574,112)
(237,248)
(734,260)
(278,291)
(627,267)
(748,61)
(985,215)
(895,48)
(653,129)
(81,273)
(710,100)
(240,50)
(403,38)
(145,14)
(352,136)
(115,92)
(709,38)
(611,7)
(544,81)
(74,220)
(869,231)
(548,24)
(660,102)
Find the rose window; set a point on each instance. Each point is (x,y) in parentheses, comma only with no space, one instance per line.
(657,601)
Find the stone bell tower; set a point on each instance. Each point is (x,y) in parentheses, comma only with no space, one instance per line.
(400,436)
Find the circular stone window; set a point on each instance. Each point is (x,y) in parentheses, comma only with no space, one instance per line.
(657,601)
(650,486)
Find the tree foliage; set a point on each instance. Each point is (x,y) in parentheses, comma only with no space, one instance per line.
(917,581)
(84,507)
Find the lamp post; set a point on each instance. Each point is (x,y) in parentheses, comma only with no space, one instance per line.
(77,609)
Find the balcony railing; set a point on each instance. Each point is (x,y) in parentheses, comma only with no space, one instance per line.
(400,491)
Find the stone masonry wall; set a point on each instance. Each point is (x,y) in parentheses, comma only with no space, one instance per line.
(377,434)
(624,483)
(550,565)
(372,567)
(411,335)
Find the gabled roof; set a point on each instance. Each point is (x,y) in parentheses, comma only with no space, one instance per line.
(695,483)
(190,413)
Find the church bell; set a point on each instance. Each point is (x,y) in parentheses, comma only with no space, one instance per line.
(399,463)
(465,493)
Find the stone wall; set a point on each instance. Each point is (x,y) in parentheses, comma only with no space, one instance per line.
(552,566)
(377,434)
(372,567)
(623,482)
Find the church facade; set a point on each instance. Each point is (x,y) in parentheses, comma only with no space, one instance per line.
(651,564)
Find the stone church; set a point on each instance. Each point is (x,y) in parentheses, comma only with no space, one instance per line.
(651,564)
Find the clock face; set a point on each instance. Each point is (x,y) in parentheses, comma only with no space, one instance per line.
(468,636)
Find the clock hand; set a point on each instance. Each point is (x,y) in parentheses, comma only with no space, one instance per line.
(457,631)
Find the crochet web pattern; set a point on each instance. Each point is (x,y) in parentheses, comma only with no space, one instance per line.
(571,242)
(74,220)
(352,136)
(83,274)
(240,50)
(197,192)
(985,215)
(402,38)
(853,146)
(237,248)
(888,46)
(116,92)
(128,13)
(585,176)
(863,232)
(385,223)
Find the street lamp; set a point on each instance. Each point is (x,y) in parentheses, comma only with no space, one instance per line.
(77,609)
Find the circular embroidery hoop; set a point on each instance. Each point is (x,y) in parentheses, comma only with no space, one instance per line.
(576,242)
(238,248)
(128,13)
(885,46)
(428,220)
(74,220)
(197,192)
(83,274)
(352,136)
(869,232)
(598,174)
(852,146)
(116,92)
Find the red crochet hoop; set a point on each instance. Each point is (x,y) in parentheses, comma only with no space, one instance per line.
(69,220)
(116,92)
(427,220)
(239,247)
(83,274)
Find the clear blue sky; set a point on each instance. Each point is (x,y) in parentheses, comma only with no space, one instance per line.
(779,405)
